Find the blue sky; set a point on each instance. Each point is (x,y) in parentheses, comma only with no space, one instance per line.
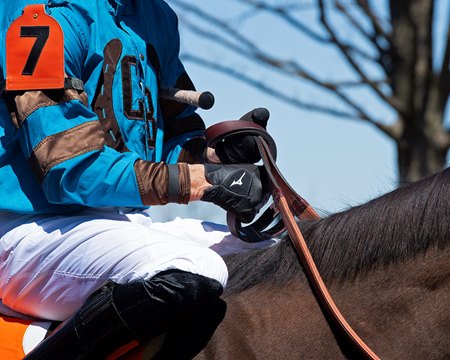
(333,163)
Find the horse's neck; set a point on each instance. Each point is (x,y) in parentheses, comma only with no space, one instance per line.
(393,308)
(397,307)
(402,284)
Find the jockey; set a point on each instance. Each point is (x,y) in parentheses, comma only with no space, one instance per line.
(86,147)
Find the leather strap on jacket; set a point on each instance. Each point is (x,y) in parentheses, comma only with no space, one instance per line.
(69,83)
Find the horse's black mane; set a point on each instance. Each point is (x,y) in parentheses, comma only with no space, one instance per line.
(395,226)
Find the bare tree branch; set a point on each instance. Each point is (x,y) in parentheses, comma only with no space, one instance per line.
(255,51)
(421,15)
(369,37)
(284,12)
(377,27)
(288,67)
(215,21)
(270,90)
(389,100)
(291,68)
(444,76)
(221,40)
(380,39)
(400,43)
(356,83)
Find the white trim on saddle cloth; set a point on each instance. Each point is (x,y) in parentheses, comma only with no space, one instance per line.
(34,334)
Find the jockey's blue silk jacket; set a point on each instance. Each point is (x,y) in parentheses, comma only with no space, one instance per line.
(109,145)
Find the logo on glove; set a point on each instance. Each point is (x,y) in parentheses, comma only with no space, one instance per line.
(239,181)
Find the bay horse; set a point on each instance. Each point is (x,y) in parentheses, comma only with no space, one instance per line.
(386,264)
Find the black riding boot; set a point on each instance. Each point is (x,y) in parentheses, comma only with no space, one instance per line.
(192,333)
(116,315)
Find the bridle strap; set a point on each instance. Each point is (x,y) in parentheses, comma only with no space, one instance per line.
(224,129)
(287,205)
(269,224)
(284,198)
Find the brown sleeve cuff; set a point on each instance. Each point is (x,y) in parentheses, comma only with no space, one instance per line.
(153,182)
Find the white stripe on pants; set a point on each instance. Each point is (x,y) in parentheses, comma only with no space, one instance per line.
(49,265)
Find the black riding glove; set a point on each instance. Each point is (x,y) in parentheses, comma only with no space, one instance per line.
(238,149)
(241,148)
(239,189)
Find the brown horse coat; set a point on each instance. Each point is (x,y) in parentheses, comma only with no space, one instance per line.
(387,267)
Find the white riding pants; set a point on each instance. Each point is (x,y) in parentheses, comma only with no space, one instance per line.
(49,265)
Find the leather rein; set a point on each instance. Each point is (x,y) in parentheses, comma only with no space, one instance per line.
(287,206)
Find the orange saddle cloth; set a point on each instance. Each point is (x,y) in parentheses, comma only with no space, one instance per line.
(18,337)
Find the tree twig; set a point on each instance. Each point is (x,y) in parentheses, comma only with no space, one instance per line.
(243,77)
(377,27)
(444,76)
(351,19)
(389,100)
(284,12)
